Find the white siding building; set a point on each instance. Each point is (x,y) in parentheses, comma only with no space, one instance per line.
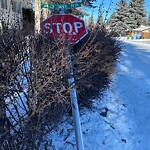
(13,12)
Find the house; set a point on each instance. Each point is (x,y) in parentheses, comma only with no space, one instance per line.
(142,32)
(13,13)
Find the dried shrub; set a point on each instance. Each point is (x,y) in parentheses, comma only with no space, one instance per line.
(34,88)
(33,82)
(94,60)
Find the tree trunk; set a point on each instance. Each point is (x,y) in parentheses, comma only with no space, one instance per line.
(37,9)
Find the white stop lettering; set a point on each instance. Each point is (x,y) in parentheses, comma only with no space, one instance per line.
(67,27)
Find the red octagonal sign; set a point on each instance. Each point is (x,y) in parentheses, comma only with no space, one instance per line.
(64,26)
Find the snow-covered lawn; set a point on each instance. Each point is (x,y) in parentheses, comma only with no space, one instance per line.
(121,119)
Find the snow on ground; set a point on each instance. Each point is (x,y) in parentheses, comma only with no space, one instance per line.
(121,119)
(142,41)
(17,107)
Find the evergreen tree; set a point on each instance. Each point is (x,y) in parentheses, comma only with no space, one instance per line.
(137,14)
(148,21)
(91,23)
(118,21)
(112,18)
(88,3)
(142,13)
(100,20)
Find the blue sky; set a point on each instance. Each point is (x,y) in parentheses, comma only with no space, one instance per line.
(112,7)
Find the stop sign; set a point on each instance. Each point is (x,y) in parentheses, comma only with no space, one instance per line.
(66,26)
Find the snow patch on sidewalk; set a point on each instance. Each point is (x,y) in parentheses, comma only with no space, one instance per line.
(120,120)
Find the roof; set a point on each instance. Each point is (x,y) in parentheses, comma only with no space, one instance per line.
(142,28)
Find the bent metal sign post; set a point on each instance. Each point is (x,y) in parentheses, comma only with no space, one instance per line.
(72,29)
